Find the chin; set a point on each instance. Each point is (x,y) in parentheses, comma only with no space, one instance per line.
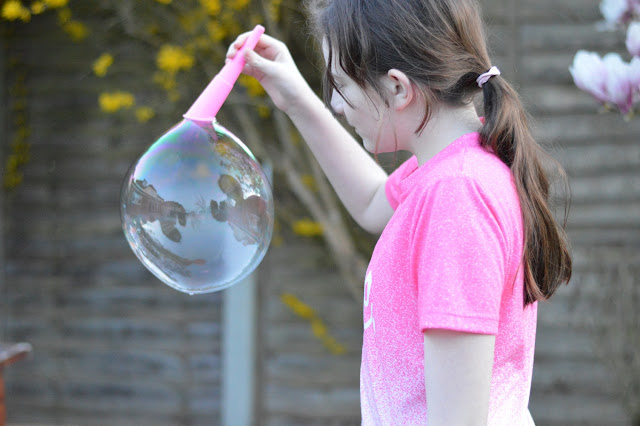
(385,144)
(371,147)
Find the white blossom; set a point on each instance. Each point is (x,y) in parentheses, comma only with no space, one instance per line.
(618,83)
(614,11)
(589,74)
(633,39)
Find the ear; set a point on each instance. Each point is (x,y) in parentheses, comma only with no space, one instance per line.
(399,88)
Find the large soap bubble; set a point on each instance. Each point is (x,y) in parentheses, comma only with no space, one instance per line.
(197,208)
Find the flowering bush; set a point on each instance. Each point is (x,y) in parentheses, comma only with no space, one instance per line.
(614,82)
(318,328)
(179,46)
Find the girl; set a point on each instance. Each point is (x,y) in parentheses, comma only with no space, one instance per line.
(468,242)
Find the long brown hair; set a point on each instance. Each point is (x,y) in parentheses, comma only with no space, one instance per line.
(441,46)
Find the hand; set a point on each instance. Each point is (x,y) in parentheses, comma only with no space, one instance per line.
(272,65)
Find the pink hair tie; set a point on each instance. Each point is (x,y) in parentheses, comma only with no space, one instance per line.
(487,75)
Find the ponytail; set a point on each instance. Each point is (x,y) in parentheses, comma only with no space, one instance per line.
(547,261)
(440,45)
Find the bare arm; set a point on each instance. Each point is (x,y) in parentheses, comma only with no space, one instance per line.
(458,368)
(357,179)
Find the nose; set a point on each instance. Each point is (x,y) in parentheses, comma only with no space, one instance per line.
(337,103)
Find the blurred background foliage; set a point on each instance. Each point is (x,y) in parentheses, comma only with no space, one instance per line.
(178,46)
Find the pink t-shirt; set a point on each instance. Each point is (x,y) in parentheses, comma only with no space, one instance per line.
(449,258)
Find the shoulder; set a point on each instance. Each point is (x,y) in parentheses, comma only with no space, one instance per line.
(475,163)
(474,167)
(394,187)
(472,186)
(465,163)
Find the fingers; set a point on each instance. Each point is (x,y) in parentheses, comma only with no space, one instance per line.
(264,43)
(257,66)
(254,60)
(267,41)
(237,44)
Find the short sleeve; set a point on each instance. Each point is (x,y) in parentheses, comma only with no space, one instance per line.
(459,257)
(393,187)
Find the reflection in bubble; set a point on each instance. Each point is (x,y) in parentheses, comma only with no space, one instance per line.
(197,209)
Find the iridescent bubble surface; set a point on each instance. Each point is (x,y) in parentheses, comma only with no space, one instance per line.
(197,208)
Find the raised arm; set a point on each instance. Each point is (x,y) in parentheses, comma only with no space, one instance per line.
(357,179)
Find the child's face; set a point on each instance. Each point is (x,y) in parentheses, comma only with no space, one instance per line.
(369,116)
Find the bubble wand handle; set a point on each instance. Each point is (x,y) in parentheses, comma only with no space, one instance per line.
(204,109)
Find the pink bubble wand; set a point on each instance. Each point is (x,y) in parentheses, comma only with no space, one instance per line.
(204,109)
(200,218)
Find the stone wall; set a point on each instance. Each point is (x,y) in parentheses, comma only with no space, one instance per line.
(112,344)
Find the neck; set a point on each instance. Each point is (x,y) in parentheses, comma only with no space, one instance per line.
(445,126)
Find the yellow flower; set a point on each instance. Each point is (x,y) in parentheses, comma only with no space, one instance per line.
(12,178)
(54,4)
(64,16)
(211,6)
(264,111)
(274,9)
(295,138)
(333,346)
(307,228)
(318,328)
(38,7)
(309,181)
(13,10)
(166,80)
(164,1)
(20,120)
(297,306)
(76,30)
(12,162)
(18,91)
(238,4)
(24,133)
(112,102)
(19,105)
(216,31)
(144,114)
(152,29)
(102,64)
(174,58)
(254,88)
(22,156)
